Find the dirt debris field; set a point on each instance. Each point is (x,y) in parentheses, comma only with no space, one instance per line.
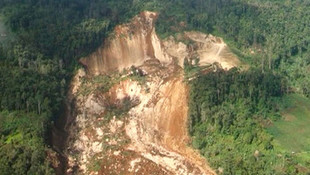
(125,124)
(150,139)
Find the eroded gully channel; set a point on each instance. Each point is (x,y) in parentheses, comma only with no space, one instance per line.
(58,136)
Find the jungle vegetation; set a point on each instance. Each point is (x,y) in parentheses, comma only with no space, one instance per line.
(229,111)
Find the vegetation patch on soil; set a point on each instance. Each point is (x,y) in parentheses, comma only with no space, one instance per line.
(292,131)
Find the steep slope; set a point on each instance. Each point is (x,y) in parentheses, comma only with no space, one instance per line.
(135,42)
(135,122)
(130,44)
(157,126)
(152,135)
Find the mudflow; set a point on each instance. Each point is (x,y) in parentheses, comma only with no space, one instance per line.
(150,136)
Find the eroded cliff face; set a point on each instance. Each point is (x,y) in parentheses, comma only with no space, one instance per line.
(130,44)
(137,41)
(134,121)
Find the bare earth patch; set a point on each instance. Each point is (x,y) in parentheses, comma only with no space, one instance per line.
(149,135)
(158,131)
(151,139)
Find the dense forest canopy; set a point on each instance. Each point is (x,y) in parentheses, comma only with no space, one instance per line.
(47,38)
(228,115)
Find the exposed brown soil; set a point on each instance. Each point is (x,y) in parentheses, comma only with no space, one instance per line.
(174,128)
(152,138)
(158,125)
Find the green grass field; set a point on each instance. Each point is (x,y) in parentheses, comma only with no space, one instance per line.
(292,132)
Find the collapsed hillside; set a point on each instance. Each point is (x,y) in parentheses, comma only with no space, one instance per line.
(135,122)
(136,42)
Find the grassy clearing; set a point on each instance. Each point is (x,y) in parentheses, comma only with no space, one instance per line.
(292,131)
